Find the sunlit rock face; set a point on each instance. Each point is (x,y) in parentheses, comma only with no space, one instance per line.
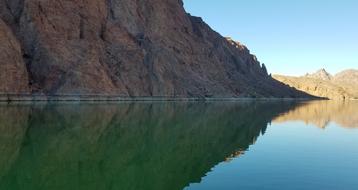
(322,113)
(321,74)
(124,48)
(341,86)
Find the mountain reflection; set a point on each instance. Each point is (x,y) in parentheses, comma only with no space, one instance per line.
(124,146)
(321,113)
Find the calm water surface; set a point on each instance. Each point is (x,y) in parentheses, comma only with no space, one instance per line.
(175,146)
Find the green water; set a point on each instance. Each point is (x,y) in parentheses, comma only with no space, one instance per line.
(174,146)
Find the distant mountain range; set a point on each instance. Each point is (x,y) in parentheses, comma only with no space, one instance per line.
(343,85)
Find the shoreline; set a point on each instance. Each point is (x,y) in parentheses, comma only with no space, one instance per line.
(100,98)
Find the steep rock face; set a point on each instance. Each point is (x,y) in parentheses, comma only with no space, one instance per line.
(321,74)
(130,48)
(13,74)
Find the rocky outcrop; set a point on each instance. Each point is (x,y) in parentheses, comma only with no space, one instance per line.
(13,73)
(341,86)
(321,74)
(124,48)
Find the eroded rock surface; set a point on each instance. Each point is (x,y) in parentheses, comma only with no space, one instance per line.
(124,48)
(342,86)
(13,73)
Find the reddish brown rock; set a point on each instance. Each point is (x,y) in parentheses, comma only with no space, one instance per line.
(13,73)
(130,48)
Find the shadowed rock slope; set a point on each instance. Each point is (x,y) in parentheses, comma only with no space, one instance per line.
(123,48)
(342,86)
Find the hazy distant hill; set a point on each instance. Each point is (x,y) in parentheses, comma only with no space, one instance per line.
(347,77)
(320,74)
(343,85)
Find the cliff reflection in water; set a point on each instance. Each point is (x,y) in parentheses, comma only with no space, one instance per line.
(322,113)
(124,146)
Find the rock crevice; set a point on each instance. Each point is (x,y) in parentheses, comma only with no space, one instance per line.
(124,48)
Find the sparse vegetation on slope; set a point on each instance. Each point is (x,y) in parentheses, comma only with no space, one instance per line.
(341,86)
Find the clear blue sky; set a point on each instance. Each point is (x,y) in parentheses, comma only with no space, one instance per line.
(290,37)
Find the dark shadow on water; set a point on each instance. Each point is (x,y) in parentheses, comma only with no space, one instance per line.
(150,146)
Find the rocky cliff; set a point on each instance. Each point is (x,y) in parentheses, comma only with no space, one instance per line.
(343,85)
(123,48)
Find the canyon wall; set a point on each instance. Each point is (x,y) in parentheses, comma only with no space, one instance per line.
(126,48)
